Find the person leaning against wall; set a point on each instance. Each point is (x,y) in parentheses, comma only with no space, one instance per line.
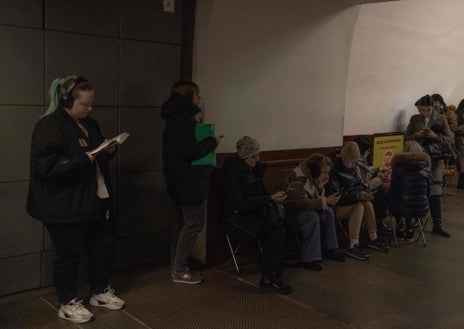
(186,184)
(69,191)
(309,211)
(427,127)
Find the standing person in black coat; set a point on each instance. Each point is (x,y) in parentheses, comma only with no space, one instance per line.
(187,184)
(243,211)
(69,191)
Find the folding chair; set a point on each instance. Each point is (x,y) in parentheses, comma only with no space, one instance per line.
(340,224)
(421,224)
(234,251)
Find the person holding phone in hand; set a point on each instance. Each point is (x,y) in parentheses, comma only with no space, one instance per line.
(309,211)
(355,203)
(428,127)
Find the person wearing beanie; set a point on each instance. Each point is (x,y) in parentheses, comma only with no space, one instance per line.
(244,205)
(247,147)
(355,203)
(427,127)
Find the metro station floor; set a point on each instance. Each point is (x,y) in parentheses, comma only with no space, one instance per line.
(409,287)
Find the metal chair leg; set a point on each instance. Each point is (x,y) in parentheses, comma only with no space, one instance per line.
(421,230)
(394,227)
(343,230)
(232,251)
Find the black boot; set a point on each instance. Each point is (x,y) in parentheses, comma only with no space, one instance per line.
(435,212)
(271,283)
(460,181)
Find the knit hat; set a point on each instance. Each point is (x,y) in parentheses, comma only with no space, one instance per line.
(247,147)
(350,152)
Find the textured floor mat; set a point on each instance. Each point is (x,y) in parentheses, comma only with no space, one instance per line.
(220,302)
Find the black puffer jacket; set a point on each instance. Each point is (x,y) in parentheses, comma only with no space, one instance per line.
(243,198)
(346,179)
(63,184)
(185,183)
(410,185)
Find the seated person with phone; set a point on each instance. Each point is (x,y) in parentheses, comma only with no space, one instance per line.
(309,211)
(355,203)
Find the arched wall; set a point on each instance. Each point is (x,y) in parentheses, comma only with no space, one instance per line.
(275,70)
(305,73)
(402,50)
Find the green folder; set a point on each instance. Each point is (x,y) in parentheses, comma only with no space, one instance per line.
(203,130)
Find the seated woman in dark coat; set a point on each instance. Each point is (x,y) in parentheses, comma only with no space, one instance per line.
(243,209)
(410,187)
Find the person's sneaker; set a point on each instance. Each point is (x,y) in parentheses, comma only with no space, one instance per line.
(400,235)
(74,311)
(313,266)
(358,253)
(409,235)
(107,299)
(440,231)
(333,255)
(378,245)
(188,276)
(273,284)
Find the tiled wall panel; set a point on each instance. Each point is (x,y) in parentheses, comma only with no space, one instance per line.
(144,204)
(94,57)
(19,273)
(21,13)
(86,16)
(147,72)
(16,128)
(20,234)
(21,66)
(137,17)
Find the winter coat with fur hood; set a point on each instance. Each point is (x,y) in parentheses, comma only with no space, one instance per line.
(410,185)
(302,192)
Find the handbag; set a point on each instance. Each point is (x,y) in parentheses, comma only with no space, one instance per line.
(274,214)
(441,151)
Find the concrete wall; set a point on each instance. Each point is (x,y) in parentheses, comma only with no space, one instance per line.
(130,50)
(401,51)
(275,70)
(303,74)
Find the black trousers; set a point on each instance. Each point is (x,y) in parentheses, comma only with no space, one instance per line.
(273,240)
(71,242)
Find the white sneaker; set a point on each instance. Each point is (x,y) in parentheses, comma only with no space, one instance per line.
(107,299)
(74,311)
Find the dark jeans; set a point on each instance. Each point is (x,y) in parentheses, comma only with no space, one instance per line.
(316,231)
(71,242)
(190,220)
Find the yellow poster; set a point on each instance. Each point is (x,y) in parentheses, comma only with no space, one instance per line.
(384,148)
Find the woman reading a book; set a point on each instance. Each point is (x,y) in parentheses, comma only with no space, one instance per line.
(69,192)
(187,183)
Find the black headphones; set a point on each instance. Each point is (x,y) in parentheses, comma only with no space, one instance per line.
(67,100)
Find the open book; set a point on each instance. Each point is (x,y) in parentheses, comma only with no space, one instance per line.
(110,143)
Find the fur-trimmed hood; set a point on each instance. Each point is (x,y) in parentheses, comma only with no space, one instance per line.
(402,159)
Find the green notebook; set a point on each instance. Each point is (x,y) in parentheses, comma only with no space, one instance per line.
(203,130)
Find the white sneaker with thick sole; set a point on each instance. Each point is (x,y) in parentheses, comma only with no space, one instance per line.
(107,299)
(74,311)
